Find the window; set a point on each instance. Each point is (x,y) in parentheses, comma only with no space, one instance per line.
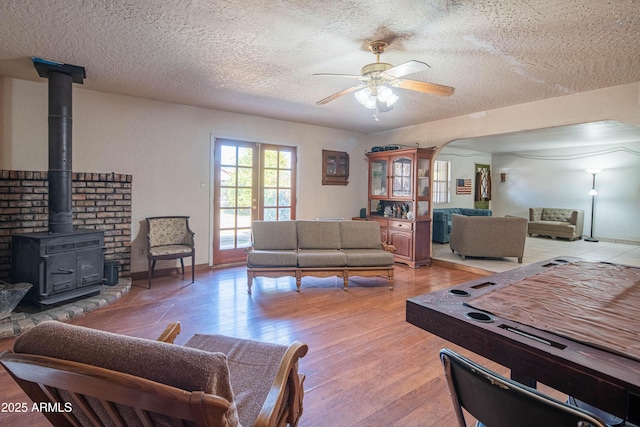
(441,181)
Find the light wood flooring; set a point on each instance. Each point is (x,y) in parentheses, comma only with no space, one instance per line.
(366,365)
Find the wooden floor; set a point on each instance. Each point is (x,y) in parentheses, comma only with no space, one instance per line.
(366,365)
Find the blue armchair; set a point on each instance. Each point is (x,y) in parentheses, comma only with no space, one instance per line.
(442,220)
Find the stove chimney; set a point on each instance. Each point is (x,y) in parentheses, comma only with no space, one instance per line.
(60,76)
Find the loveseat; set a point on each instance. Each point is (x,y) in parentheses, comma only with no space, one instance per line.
(556,222)
(442,220)
(318,248)
(493,237)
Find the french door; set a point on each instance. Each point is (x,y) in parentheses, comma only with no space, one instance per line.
(251,182)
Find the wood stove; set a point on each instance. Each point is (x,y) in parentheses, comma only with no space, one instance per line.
(64,263)
(61,266)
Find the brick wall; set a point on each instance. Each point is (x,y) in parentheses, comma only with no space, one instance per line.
(101,201)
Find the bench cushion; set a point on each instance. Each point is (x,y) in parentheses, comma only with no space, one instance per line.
(368,257)
(259,258)
(177,366)
(274,235)
(321,258)
(318,234)
(253,366)
(360,235)
(540,227)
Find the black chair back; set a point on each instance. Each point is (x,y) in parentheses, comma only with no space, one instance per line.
(497,401)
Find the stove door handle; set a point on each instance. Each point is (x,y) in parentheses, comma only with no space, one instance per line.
(66,270)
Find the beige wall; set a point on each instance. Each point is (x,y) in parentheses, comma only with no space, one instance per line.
(166,147)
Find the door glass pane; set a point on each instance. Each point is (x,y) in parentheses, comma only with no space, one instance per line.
(284,198)
(244,197)
(244,238)
(270,159)
(245,156)
(227,239)
(227,197)
(270,214)
(285,178)
(227,176)
(402,177)
(228,155)
(245,177)
(244,218)
(227,218)
(270,178)
(285,214)
(285,160)
(378,177)
(269,197)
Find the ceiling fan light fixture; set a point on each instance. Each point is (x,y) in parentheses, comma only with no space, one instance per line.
(366,98)
(387,96)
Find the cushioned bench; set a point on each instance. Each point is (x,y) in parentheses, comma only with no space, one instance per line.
(556,222)
(318,248)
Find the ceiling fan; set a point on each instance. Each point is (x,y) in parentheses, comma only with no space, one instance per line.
(379,77)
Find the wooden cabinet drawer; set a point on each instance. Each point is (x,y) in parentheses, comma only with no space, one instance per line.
(401,225)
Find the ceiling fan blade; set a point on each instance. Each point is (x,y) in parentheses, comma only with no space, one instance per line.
(349,76)
(407,68)
(423,87)
(339,94)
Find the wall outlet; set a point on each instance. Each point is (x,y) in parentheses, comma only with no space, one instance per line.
(141,251)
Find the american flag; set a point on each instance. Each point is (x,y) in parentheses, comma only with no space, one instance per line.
(463,186)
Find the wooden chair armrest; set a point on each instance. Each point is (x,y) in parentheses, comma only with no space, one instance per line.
(388,248)
(283,404)
(170,333)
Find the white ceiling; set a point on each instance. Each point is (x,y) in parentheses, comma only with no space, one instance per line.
(258,57)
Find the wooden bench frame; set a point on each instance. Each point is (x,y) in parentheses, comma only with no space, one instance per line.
(43,377)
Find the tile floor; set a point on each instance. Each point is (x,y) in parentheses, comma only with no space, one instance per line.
(542,248)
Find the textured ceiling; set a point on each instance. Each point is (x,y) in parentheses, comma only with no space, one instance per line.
(258,57)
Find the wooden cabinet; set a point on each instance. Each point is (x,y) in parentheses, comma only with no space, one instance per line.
(399,197)
(335,167)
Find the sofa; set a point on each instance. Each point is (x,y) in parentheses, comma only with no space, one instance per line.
(494,237)
(442,220)
(101,378)
(318,248)
(556,222)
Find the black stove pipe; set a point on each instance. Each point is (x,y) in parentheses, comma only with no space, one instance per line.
(60,155)
(61,76)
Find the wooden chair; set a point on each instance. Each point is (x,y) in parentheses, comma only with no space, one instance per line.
(496,401)
(169,237)
(98,378)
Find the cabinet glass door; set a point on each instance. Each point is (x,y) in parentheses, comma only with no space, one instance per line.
(401,177)
(423,177)
(378,172)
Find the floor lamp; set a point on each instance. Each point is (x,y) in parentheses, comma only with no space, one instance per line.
(593,193)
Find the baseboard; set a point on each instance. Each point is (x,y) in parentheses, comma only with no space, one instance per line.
(172,271)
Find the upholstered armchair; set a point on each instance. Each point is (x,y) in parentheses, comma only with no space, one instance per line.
(169,237)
